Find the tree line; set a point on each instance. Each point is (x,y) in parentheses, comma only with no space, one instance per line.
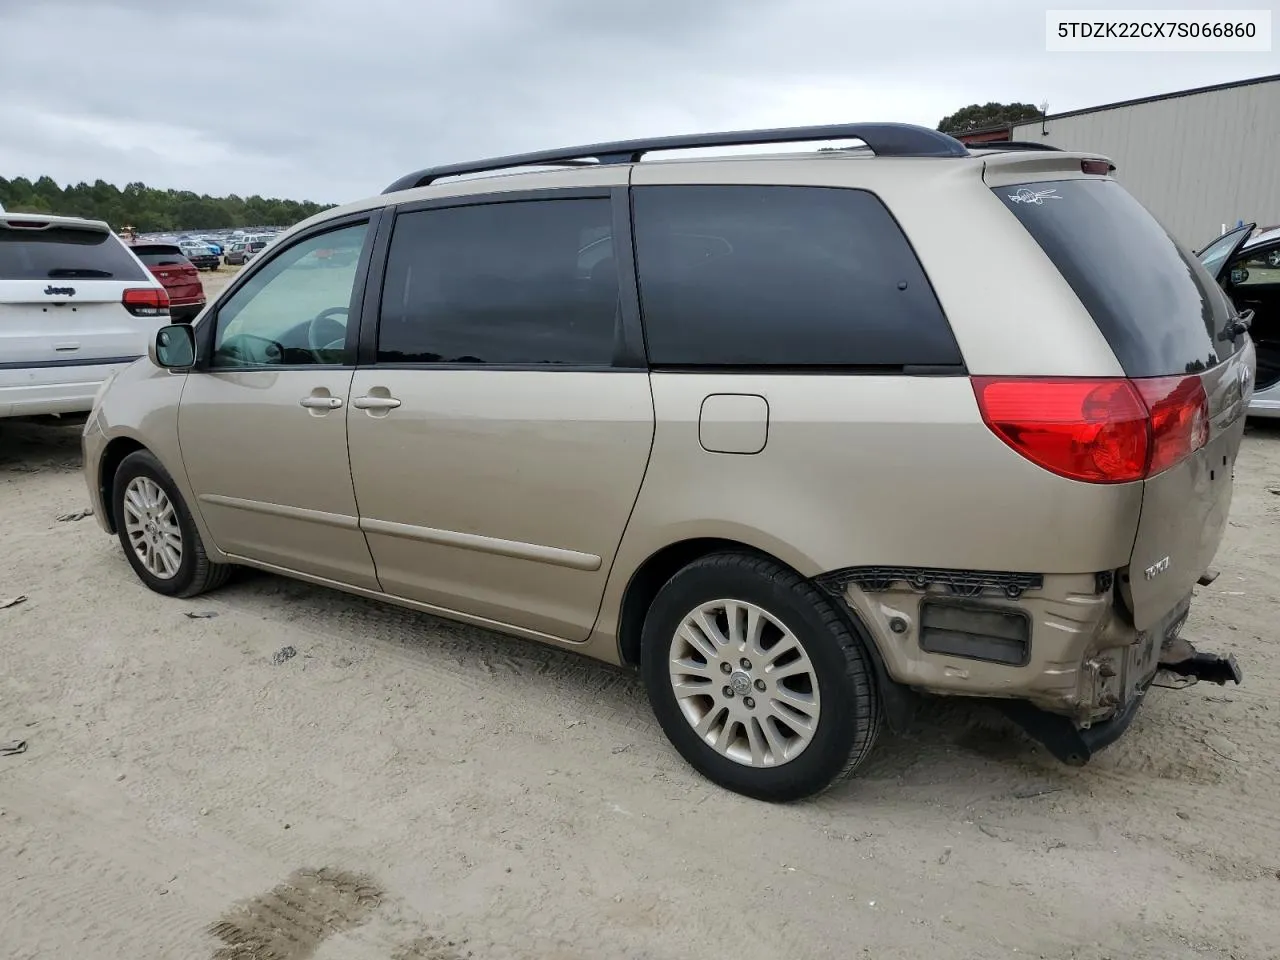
(149,210)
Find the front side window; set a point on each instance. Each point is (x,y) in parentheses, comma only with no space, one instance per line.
(295,310)
(782,277)
(526,282)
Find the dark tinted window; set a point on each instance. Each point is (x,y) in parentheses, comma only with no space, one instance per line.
(1155,303)
(161,256)
(512,283)
(782,276)
(64,253)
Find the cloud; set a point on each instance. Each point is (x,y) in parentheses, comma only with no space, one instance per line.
(332,99)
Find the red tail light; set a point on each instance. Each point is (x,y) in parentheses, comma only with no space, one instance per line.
(1097,430)
(1179,419)
(1098,167)
(146,301)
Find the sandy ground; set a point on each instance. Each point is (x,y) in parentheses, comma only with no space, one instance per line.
(215,281)
(408,789)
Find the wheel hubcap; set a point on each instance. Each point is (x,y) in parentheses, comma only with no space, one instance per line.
(151,523)
(745,683)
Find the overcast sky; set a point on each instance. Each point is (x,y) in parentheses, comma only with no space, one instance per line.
(330,100)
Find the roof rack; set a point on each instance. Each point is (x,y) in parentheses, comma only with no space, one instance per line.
(884,139)
(1013,145)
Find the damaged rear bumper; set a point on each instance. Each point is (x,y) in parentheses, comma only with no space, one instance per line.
(1076,745)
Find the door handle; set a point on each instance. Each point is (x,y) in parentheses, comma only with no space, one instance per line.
(321,403)
(375,403)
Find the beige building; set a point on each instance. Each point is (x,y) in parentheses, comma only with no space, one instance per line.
(1198,159)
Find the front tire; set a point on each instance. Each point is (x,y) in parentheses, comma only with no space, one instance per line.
(757,679)
(157,532)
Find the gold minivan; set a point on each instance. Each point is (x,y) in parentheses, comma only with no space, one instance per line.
(799,435)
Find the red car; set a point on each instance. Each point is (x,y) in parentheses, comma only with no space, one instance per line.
(177,274)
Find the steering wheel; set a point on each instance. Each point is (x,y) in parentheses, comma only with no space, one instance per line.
(335,338)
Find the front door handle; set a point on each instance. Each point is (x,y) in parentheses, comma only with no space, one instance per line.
(375,403)
(321,403)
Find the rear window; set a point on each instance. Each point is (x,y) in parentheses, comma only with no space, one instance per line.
(64,253)
(1159,309)
(746,276)
(161,256)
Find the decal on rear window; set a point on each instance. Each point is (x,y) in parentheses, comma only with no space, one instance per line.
(1037,197)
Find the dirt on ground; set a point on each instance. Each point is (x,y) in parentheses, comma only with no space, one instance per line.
(280,772)
(215,281)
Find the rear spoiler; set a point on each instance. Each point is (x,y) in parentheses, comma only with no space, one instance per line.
(1026,166)
(35,222)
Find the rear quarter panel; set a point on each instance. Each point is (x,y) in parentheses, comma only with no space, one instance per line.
(893,470)
(866,470)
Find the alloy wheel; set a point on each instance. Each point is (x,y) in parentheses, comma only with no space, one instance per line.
(151,523)
(745,683)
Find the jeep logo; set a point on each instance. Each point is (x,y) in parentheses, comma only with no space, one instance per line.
(1157,568)
(60,291)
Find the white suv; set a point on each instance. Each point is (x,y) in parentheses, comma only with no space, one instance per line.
(76,306)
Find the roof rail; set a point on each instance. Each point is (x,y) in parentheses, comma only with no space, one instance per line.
(1013,145)
(884,139)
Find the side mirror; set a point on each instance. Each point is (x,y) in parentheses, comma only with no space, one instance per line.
(174,347)
(1238,275)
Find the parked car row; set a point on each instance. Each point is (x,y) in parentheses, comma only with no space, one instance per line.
(202,255)
(243,251)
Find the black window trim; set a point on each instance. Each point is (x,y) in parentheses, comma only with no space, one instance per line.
(629,357)
(208,324)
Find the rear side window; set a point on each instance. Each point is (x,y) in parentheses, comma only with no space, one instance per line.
(526,282)
(782,277)
(1159,309)
(64,253)
(161,256)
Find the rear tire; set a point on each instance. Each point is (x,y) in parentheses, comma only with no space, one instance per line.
(156,530)
(799,702)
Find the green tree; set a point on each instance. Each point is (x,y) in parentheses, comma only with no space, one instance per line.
(978,116)
(148,209)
